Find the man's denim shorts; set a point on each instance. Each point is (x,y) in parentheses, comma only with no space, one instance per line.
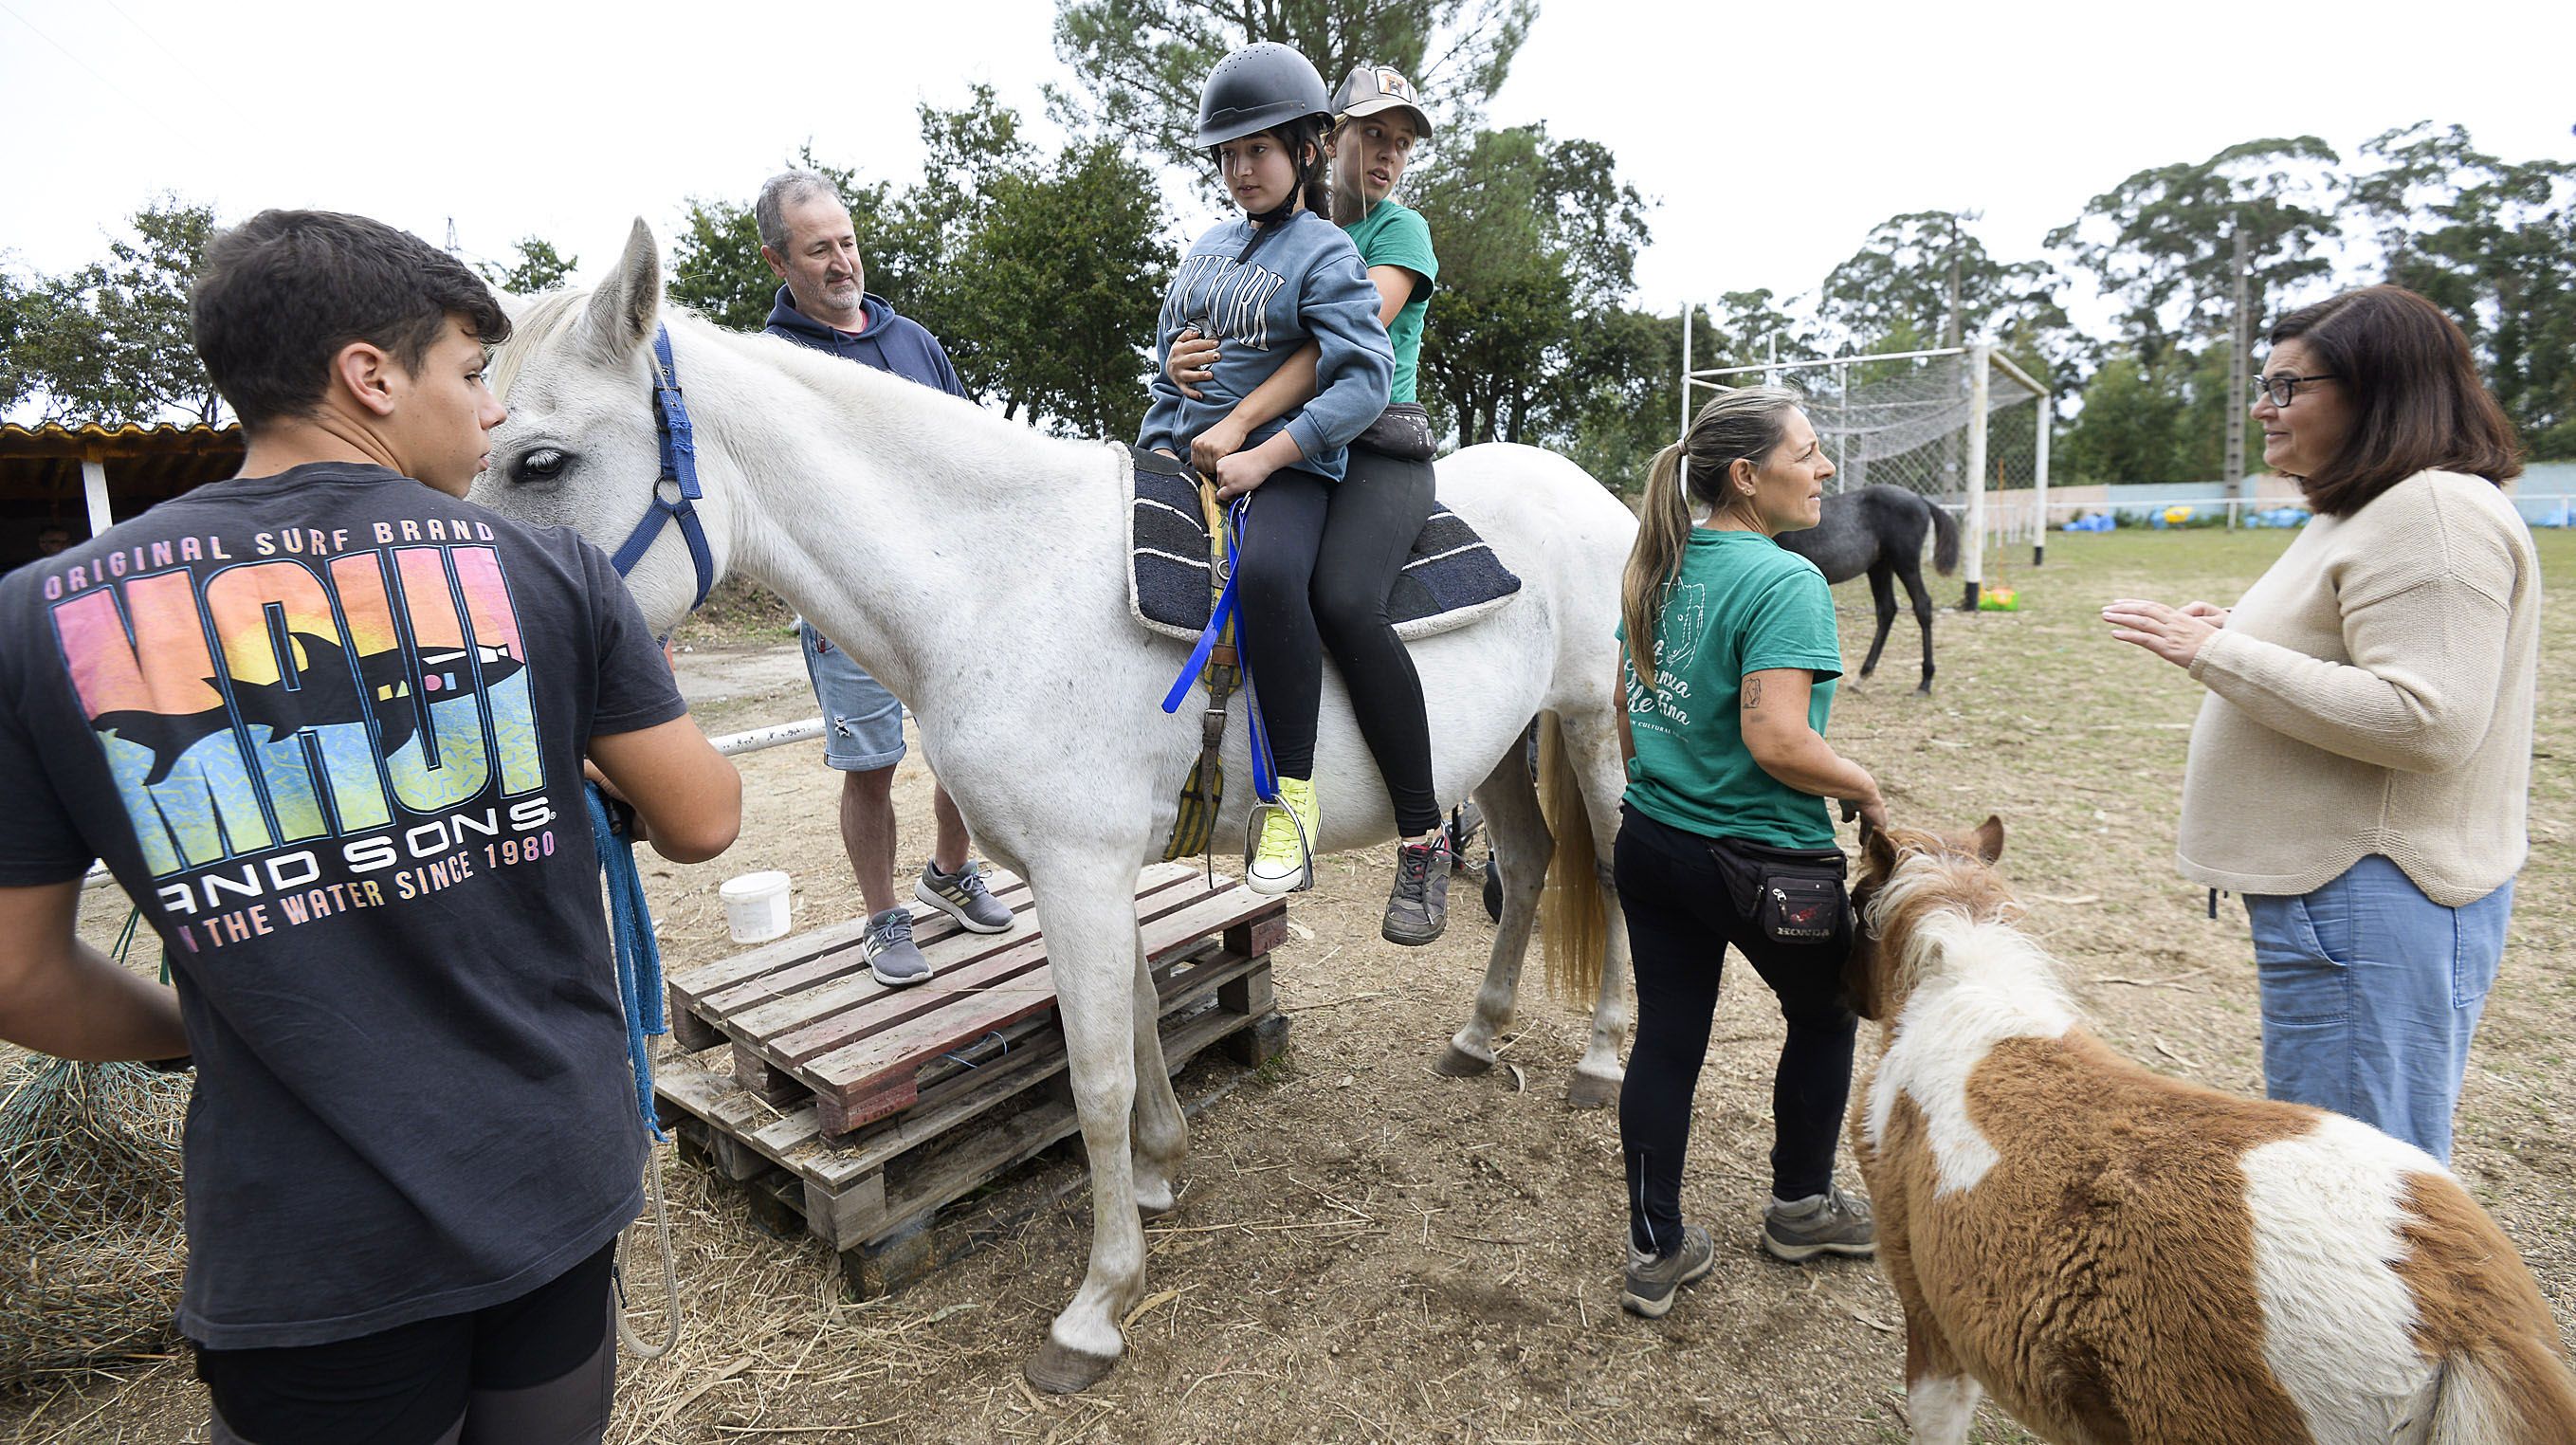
(862,722)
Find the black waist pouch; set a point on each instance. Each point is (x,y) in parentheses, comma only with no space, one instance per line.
(1402,431)
(1794,895)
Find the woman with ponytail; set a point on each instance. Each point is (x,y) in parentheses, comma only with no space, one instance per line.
(1725,837)
(1279,277)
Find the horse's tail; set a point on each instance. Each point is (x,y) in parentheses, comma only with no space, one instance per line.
(1571,920)
(1945,539)
(2509,1391)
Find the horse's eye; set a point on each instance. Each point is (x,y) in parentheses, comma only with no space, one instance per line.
(543,465)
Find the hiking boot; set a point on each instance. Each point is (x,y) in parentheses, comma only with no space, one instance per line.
(890,952)
(1652,1280)
(963,896)
(1419,907)
(1283,860)
(1829,1223)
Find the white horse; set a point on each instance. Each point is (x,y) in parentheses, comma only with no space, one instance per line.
(977,568)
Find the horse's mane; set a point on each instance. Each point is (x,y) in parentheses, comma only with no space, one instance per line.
(541,322)
(1952,919)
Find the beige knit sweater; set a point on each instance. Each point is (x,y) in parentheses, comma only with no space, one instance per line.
(2373,693)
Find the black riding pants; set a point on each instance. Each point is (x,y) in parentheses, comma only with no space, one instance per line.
(1319,560)
(1681,920)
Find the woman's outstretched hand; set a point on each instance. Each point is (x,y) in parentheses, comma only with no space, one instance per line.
(2176,634)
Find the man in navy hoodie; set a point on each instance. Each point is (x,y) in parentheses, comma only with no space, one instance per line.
(807,238)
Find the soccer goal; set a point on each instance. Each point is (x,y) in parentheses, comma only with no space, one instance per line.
(1961,425)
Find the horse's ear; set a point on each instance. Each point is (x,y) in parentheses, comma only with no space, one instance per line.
(1878,853)
(1990,838)
(622,311)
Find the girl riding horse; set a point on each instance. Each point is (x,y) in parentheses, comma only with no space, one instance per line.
(1386,494)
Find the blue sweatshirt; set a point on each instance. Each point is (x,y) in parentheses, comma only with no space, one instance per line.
(1303,282)
(890,342)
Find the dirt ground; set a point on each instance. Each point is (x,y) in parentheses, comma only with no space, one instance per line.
(1367,1251)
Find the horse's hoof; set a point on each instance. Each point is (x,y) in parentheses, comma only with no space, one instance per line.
(1149,1211)
(1591,1092)
(1062,1371)
(1456,1063)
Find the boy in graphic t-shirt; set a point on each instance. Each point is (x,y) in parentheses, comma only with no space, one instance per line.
(327,724)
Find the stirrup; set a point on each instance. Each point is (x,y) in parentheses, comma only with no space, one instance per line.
(1252,836)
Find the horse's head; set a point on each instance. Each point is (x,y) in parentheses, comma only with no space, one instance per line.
(1907,874)
(581,447)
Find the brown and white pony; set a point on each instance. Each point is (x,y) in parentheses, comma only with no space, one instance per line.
(2123,1257)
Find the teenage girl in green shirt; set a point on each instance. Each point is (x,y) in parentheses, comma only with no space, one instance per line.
(1379,506)
(1725,836)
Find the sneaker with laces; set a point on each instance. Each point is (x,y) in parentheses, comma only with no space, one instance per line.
(1283,858)
(963,895)
(1419,907)
(1653,1279)
(890,951)
(1829,1223)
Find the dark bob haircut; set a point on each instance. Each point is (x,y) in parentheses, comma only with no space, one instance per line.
(2417,400)
(281,294)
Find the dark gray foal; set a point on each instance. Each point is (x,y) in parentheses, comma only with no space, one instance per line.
(1879,530)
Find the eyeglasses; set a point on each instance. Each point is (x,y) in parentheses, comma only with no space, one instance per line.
(2282,389)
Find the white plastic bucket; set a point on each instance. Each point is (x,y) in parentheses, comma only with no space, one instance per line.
(756,906)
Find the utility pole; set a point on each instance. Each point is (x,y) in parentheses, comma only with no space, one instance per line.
(1950,334)
(2239,375)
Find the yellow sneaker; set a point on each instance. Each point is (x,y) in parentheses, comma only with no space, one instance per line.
(1283,858)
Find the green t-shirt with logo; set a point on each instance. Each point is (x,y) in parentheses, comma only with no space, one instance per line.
(1394,235)
(1740,605)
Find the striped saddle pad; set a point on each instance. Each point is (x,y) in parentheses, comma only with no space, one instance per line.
(1451,579)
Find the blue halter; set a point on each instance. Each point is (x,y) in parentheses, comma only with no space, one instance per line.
(675,494)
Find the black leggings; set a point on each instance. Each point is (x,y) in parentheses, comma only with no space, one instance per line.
(1319,560)
(1681,918)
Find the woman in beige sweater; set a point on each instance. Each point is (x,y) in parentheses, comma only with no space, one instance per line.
(2359,767)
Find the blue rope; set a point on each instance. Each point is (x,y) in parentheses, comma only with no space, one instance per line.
(1265,771)
(639,958)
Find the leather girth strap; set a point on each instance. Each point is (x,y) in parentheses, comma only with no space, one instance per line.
(1203,792)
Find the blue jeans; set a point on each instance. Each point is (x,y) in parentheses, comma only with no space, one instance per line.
(862,722)
(2371,992)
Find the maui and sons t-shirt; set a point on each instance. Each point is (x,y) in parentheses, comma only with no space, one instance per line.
(327,729)
(1740,604)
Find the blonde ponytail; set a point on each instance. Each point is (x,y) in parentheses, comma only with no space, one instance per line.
(1735,426)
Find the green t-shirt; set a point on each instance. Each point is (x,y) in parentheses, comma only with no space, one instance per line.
(1740,605)
(1393,235)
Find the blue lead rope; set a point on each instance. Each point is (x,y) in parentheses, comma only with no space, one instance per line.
(1265,780)
(639,958)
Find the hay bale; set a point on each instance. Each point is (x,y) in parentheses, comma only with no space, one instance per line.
(90,1225)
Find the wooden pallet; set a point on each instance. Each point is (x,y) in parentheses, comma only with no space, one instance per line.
(807,1022)
(982,1078)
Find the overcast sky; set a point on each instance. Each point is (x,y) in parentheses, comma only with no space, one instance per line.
(1771,136)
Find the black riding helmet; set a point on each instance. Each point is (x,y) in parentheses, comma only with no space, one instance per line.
(1259,87)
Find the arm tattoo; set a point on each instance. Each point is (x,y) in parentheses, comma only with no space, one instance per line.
(1752,693)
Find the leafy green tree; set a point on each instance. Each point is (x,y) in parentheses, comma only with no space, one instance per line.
(1900,280)
(539,268)
(2161,243)
(1143,61)
(2126,429)
(1538,242)
(2494,244)
(110,343)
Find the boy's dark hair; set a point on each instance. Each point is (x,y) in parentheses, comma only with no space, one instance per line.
(282,292)
(2418,402)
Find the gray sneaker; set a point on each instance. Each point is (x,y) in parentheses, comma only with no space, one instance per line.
(1651,1280)
(1829,1223)
(890,952)
(1419,907)
(962,896)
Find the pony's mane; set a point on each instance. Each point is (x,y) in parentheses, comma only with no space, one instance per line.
(1952,920)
